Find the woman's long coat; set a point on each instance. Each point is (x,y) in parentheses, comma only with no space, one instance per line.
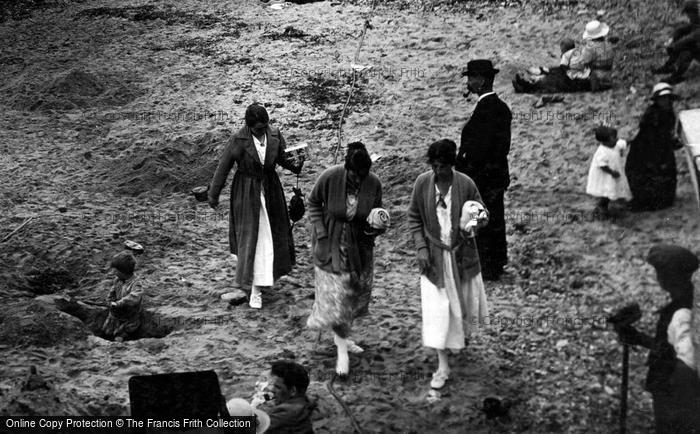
(249,178)
(651,163)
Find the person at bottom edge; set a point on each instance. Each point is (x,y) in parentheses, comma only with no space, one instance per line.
(284,399)
(672,378)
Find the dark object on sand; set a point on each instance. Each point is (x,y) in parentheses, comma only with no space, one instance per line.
(625,317)
(177,395)
(235,297)
(34,381)
(548,99)
(200,193)
(494,407)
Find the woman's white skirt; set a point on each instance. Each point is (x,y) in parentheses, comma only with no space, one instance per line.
(264,250)
(449,315)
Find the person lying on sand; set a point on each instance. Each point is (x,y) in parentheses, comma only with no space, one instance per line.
(283,398)
(125,299)
(684,45)
(672,379)
(589,67)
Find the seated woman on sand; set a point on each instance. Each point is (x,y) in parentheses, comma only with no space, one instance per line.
(588,67)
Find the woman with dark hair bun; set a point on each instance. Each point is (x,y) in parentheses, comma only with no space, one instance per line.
(445,212)
(259,229)
(344,209)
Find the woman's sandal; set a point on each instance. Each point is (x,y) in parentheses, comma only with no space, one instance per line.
(439,378)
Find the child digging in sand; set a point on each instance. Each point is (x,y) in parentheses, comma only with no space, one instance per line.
(125,299)
(606,176)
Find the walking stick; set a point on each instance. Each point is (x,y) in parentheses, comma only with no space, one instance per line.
(625,317)
(623,387)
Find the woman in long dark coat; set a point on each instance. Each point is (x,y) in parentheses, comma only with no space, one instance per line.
(651,164)
(259,229)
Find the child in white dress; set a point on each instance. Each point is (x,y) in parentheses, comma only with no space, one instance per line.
(606,176)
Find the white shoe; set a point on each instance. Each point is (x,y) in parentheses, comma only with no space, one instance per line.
(342,366)
(354,348)
(439,378)
(255,300)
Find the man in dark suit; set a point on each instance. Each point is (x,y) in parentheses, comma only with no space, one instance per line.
(483,156)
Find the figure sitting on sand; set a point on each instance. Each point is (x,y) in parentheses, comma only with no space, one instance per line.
(684,45)
(585,68)
(125,299)
(568,49)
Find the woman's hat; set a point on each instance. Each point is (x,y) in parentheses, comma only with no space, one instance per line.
(672,260)
(379,218)
(241,407)
(663,89)
(595,29)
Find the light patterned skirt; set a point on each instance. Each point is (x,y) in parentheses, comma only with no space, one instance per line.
(340,298)
(451,314)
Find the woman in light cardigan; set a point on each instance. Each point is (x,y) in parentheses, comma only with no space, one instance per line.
(343,247)
(452,291)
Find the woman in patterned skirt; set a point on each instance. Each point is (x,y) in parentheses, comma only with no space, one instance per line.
(445,211)
(342,240)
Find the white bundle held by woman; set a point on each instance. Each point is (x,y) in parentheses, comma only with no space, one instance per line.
(379,219)
(472,213)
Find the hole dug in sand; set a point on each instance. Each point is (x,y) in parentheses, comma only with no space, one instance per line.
(73,89)
(153,325)
(161,168)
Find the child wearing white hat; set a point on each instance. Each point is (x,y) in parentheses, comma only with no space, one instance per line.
(592,65)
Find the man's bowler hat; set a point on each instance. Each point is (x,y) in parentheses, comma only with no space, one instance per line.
(482,67)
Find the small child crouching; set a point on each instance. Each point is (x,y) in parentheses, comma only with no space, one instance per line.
(125,297)
(606,176)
